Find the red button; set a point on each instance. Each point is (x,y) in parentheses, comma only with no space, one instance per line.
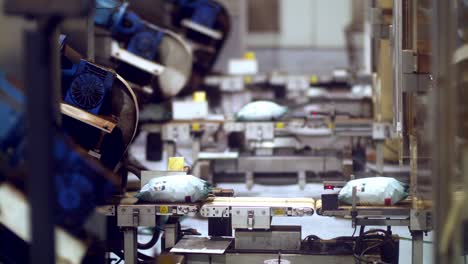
(388,201)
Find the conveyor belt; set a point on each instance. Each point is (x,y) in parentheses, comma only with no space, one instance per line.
(401,209)
(224,206)
(276,206)
(261,201)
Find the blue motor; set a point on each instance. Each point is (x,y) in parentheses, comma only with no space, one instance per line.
(86,85)
(80,182)
(125,25)
(145,43)
(203,12)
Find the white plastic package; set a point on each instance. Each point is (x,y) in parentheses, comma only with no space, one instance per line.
(174,188)
(261,111)
(374,191)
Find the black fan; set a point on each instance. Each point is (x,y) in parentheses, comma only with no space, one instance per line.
(87,91)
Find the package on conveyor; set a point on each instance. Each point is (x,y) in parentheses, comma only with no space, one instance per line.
(261,111)
(374,191)
(174,188)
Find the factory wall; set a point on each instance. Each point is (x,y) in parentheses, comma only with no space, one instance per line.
(310,40)
(307,23)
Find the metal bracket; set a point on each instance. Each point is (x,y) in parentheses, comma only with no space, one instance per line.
(177,210)
(378,28)
(136,61)
(232,84)
(420,220)
(234,127)
(107,210)
(412,81)
(176,132)
(380,131)
(382,31)
(409,61)
(214,34)
(136,215)
(215,211)
(297,83)
(251,218)
(259,131)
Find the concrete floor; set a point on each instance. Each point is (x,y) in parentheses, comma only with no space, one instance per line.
(322,226)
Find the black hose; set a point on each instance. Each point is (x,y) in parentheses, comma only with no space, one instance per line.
(151,242)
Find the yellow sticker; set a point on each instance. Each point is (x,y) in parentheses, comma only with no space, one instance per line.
(278,211)
(279,125)
(163,209)
(313,79)
(250,55)
(195,126)
(175,164)
(248,79)
(199,96)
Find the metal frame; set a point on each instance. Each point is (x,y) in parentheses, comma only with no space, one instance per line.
(130,217)
(443,115)
(134,60)
(42,87)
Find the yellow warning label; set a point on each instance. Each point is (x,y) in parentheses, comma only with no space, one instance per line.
(199,96)
(279,125)
(278,211)
(248,79)
(164,209)
(313,79)
(250,55)
(175,164)
(196,127)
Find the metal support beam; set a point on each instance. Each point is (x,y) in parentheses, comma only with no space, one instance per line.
(42,89)
(381,222)
(130,245)
(443,119)
(249,180)
(196,147)
(417,247)
(302,179)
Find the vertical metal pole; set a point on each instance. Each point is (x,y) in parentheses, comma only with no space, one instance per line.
(196,147)
(417,247)
(249,180)
(42,85)
(397,78)
(443,119)
(130,245)
(302,179)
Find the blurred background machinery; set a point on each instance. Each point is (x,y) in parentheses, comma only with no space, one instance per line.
(100,98)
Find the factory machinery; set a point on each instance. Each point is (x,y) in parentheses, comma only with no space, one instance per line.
(72,203)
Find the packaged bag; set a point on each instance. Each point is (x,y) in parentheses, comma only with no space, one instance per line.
(261,111)
(374,191)
(174,188)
